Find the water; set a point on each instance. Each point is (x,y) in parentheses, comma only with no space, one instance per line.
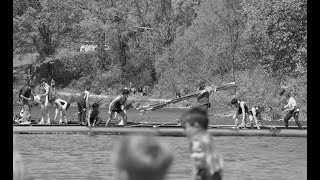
(79,156)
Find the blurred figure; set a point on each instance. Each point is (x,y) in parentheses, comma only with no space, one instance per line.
(142,158)
(208,164)
(144,90)
(18,168)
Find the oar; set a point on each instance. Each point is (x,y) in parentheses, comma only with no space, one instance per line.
(165,123)
(209,89)
(88,106)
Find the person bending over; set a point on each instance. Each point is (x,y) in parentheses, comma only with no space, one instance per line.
(62,106)
(255,115)
(117,106)
(293,111)
(142,158)
(93,116)
(241,108)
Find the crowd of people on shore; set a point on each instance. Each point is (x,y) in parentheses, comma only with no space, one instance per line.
(88,114)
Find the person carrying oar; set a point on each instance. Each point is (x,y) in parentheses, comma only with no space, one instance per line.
(203,97)
(117,106)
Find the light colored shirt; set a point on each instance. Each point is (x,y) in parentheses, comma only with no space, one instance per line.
(291,103)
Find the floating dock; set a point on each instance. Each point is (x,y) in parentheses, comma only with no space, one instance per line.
(272,131)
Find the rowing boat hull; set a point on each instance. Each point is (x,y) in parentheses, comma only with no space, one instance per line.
(160,131)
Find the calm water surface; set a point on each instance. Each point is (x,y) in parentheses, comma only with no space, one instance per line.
(79,156)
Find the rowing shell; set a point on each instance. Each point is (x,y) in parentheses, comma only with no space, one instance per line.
(161,131)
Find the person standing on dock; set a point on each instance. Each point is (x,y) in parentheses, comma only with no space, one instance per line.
(203,97)
(142,158)
(241,108)
(83,103)
(117,106)
(293,111)
(26,96)
(45,87)
(208,164)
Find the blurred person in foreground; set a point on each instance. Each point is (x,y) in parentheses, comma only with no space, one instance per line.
(208,164)
(142,158)
(18,166)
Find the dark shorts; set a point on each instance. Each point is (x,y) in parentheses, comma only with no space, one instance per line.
(118,110)
(92,119)
(293,113)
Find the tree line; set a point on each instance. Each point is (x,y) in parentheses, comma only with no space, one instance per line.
(166,44)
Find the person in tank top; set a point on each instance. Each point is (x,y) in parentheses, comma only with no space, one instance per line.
(117,106)
(241,108)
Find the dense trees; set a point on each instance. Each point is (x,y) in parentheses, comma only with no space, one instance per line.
(167,43)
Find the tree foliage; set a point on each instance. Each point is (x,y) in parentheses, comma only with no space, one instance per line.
(167,44)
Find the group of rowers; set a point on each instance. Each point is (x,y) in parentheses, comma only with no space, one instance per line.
(117,106)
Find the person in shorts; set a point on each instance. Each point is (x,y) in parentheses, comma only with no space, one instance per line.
(93,116)
(255,115)
(241,108)
(293,111)
(117,106)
